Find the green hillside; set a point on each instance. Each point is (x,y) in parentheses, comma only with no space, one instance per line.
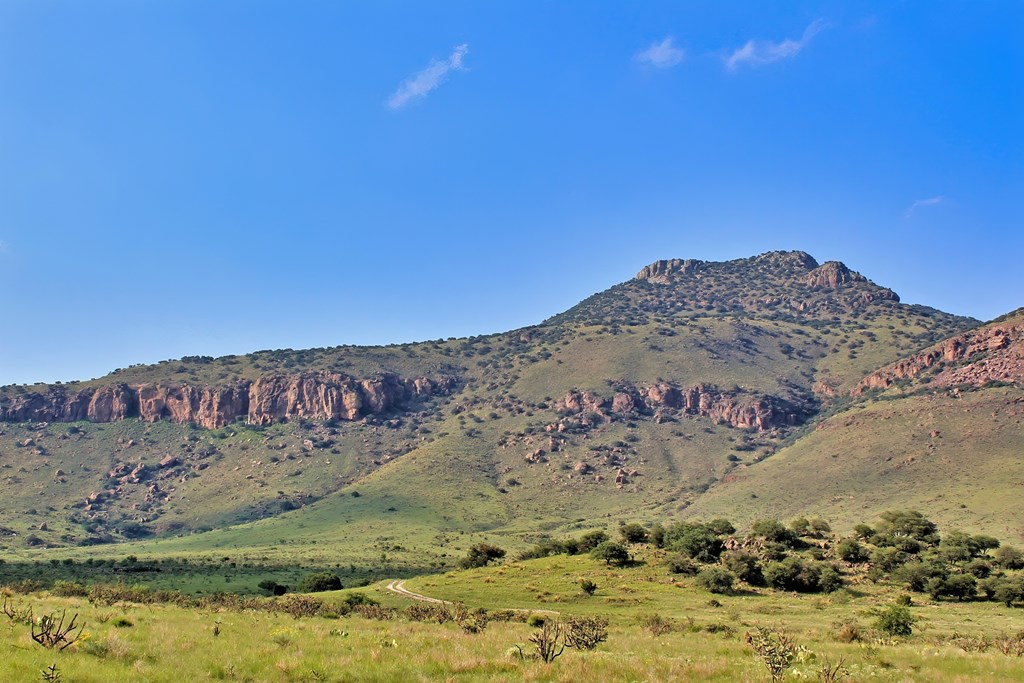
(712,368)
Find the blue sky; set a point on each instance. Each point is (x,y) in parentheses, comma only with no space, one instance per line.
(196,177)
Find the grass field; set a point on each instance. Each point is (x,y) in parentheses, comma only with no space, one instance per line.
(704,640)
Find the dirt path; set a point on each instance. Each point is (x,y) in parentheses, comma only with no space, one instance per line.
(398,588)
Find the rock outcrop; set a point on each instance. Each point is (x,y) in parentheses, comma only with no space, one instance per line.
(832,274)
(272,398)
(992,353)
(659,271)
(746,410)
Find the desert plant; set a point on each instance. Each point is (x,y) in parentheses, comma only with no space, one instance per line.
(549,641)
(51,632)
(19,615)
(830,673)
(51,674)
(585,633)
(656,624)
(774,648)
(1011,646)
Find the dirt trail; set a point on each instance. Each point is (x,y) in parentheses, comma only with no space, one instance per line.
(398,588)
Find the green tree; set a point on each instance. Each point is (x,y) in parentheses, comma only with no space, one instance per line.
(611,553)
(633,533)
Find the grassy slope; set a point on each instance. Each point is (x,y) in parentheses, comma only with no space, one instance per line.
(958,460)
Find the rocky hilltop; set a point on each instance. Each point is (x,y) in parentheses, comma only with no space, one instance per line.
(271,398)
(993,353)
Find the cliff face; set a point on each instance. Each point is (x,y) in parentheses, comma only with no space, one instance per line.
(738,409)
(993,353)
(273,398)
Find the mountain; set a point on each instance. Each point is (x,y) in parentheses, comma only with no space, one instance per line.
(641,401)
(941,431)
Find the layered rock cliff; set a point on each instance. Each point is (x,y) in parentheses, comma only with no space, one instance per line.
(745,410)
(271,398)
(993,353)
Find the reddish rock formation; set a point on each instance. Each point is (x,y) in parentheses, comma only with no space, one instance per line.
(739,409)
(993,353)
(273,398)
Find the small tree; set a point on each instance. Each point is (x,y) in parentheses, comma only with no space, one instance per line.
(897,621)
(480,555)
(611,553)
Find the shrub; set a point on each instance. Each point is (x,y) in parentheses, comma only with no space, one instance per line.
(480,555)
(745,566)
(716,580)
(694,540)
(656,624)
(896,621)
(959,586)
(633,533)
(797,574)
(588,587)
(681,564)
(320,582)
(849,550)
(585,633)
(774,648)
(774,531)
(271,587)
(69,589)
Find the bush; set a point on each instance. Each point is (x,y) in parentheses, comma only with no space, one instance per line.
(271,587)
(611,553)
(774,531)
(896,621)
(681,564)
(694,540)
(585,633)
(745,566)
(716,580)
(797,574)
(480,555)
(69,589)
(1008,557)
(320,582)
(633,533)
(588,587)
(959,586)
(849,550)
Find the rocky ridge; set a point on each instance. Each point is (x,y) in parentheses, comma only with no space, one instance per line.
(271,398)
(992,353)
(744,410)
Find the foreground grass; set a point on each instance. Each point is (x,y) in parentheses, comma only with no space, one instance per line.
(704,640)
(171,644)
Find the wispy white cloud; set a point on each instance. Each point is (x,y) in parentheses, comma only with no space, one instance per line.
(661,55)
(761,52)
(931,201)
(423,82)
